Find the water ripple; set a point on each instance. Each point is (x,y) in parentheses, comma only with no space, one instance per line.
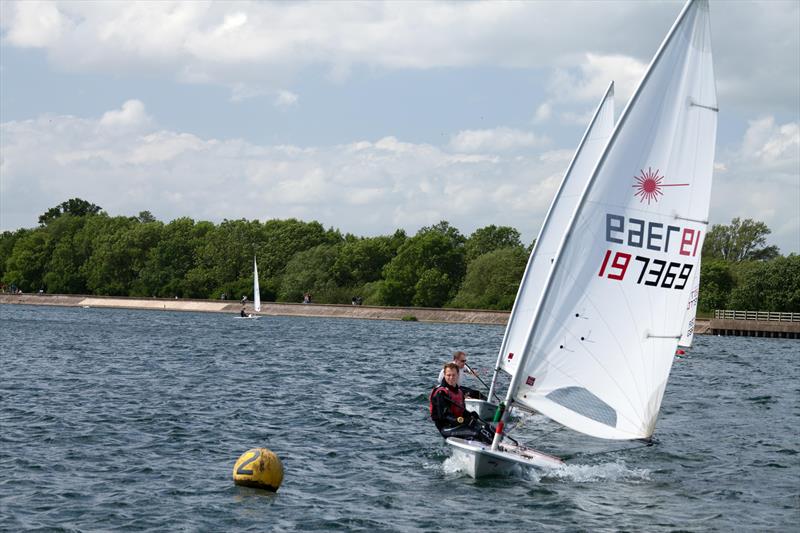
(131,421)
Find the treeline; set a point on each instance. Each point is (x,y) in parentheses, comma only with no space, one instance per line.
(79,249)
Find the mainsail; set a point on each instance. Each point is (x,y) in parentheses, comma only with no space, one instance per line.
(256,290)
(687,332)
(602,337)
(541,259)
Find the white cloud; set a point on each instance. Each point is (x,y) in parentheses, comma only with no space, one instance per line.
(364,187)
(595,73)
(34,24)
(259,47)
(495,140)
(760,179)
(543,112)
(285,99)
(132,115)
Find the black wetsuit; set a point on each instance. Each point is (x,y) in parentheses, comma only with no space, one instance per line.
(447,408)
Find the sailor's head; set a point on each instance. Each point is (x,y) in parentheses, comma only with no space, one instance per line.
(451,374)
(460,359)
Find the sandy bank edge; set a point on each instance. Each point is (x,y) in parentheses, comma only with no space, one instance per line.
(455,316)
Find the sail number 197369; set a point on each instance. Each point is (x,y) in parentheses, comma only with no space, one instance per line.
(638,233)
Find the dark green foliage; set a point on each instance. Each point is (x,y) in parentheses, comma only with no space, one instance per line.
(80,249)
(8,240)
(362,260)
(716,282)
(311,271)
(75,207)
(166,271)
(490,238)
(768,286)
(25,267)
(70,252)
(742,240)
(427,269)
(493,279)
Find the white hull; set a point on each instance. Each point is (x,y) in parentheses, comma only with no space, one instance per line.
(482,461)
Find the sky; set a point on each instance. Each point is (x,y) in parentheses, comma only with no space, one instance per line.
(367,116)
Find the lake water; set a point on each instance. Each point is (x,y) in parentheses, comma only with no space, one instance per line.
(132,420)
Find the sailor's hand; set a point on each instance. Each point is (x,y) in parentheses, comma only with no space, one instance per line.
(460,419)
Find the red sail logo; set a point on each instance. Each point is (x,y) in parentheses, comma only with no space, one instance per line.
(649,184)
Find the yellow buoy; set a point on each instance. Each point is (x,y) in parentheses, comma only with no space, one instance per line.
(259,468)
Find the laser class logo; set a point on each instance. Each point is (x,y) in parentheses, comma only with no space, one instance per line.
(649,184)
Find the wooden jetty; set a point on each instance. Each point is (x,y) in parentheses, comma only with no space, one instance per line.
(755,324)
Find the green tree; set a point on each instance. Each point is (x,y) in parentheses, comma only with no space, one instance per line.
(280,240)
(492,279)
(427,269)
(119,252)
(716,283)
(490,238)
(166,271)
(25,267)
(146,216)
(7,241)
(311,271)
(74,206)
(64,268)
(361,261)
(769,286)
(225,260)
(741,240)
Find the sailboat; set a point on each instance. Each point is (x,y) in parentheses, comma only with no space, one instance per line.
(256,290)
(598,342)
(687,333)
(589,150)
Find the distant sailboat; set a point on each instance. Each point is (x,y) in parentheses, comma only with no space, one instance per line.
(256,290)
(598,344)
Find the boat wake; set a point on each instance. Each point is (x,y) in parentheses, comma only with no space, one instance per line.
(584,473)
(575,473)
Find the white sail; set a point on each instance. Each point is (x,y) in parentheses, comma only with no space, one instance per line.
(604,334)
(687,331)
(256,290)
(563,205)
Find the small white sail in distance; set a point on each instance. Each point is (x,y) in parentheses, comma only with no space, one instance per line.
(599,352)
(256,290)
(591,146)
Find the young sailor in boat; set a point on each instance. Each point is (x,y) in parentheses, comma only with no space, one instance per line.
(460,360)
(450,414)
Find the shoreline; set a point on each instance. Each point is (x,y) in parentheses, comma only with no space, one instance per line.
(421,314)
(369,312)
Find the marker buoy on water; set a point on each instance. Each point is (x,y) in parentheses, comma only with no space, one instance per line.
(259,468)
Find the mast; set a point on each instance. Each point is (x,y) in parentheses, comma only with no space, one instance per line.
(576,213)
(546,224)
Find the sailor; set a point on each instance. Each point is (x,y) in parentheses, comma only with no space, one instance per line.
(242,313)
(460,360)
(450,414)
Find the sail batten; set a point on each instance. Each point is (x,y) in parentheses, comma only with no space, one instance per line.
(624,256)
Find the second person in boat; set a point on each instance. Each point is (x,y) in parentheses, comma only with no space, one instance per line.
(460,360)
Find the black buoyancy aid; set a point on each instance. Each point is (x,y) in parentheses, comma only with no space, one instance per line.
(455,399)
